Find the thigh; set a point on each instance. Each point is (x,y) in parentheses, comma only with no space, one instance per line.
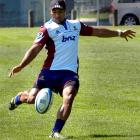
(70,83)
(71,80)
(47,79)
(69,93)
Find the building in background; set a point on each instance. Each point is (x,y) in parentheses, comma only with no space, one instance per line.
(15,12)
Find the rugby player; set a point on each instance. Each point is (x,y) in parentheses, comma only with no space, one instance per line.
(60,69)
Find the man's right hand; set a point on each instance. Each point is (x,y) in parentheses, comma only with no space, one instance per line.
(14,70)
(28,57)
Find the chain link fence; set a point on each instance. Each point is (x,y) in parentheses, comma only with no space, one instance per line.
(87,10)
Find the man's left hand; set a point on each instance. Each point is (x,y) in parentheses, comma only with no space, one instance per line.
(128,34)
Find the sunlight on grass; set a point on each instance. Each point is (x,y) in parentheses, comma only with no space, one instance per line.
(108,102)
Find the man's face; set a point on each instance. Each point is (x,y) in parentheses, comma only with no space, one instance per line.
(58,15)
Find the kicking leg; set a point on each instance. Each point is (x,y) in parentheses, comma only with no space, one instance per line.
(23,97)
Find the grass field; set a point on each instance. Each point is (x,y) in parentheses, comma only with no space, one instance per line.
(107,106)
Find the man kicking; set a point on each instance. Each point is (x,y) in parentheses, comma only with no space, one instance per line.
(60,69)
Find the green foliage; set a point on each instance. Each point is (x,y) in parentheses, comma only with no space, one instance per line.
(108,102)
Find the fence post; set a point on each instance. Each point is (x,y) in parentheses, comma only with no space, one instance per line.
(115,17)
(30,18)
(73,14)
(98,12)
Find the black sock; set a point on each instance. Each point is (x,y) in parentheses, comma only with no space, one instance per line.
(58,125)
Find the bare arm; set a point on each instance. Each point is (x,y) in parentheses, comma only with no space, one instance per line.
(28,57)
(112,33)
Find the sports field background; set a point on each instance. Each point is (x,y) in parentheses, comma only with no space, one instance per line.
(107,106)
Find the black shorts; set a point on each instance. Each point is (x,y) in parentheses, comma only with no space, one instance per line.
(56,80)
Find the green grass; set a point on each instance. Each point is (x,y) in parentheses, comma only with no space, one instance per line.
(107,106)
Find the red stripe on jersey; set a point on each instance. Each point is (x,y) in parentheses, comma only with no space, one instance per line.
(86,30)
(51,51)
(42,36)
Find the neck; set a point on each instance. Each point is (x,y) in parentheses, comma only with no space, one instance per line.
(59,22)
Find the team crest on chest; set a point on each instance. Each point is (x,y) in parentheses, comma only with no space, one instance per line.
(58,32)
(75,28)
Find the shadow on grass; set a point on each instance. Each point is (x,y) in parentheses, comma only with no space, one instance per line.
(101,136)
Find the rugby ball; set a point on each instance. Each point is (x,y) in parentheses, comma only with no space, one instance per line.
(43,100)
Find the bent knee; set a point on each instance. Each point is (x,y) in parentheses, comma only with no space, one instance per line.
(68,100)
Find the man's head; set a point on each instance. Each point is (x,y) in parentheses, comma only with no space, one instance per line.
(58,8)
